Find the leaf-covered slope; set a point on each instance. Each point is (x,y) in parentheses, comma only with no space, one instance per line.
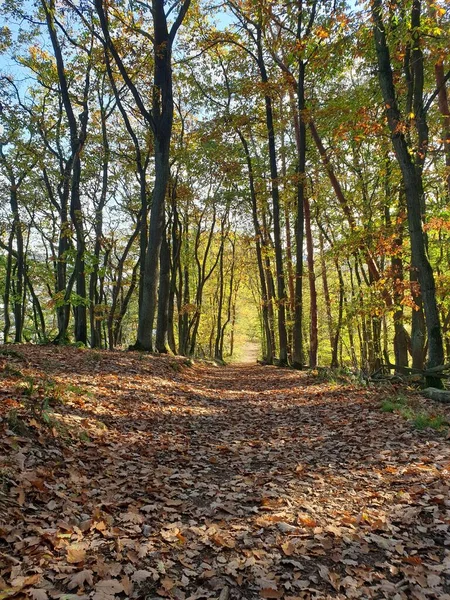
(127,476)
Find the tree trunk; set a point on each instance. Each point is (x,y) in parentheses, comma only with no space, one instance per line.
(413,186)
(326,294)
(337,334)
(18,309)
(445,112)
(275,193)
(313,339)
(156,227)
(163,298)
(297,350)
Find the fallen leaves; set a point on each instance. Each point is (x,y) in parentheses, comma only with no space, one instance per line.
(235,483)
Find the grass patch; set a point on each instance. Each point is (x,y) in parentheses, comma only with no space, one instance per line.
(419,418)
(77,390)
(9,370)
(423,421)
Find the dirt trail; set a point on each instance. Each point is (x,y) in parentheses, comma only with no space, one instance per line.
(242,482)
(249,354)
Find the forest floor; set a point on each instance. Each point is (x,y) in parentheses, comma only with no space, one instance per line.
(133,476)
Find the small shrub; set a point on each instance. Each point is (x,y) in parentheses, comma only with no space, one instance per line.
(53,392)
(28,387)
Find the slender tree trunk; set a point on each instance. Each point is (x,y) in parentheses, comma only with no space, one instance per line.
(114,310)
(326,292)
(400,338)
(183,315)
(221,291)
(281,291)
(445,112)
(20,264)
(40,320)
(337,334)
(271,294)
(163,298)
(176,232)
(230,300)
(297,351)
(6,295)
(288,234)
(313,338)
(117,330)
(73,169)
(80,274)
(98,228)
(414,202)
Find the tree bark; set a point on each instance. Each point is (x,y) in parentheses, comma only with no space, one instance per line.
(313,339)
(413,186)
(161,340)
(275,193)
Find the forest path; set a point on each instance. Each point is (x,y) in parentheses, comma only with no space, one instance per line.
(158,480)
(249,353)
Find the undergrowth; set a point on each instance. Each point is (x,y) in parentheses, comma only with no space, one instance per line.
(339,375)
(421,419)
(40,399)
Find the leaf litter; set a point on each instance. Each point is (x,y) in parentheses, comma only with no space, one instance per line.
(153,479)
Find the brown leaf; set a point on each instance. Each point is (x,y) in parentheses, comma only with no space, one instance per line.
(224,541)
(141,575)
(80,579)
(37,594)
(288,548)
(306,520)
(127,585)
(168,584)
(270,593)
(109,586)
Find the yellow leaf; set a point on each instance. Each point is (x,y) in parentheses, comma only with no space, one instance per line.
(288,548)
(75,554)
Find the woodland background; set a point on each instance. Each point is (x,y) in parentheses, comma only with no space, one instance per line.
(187,176)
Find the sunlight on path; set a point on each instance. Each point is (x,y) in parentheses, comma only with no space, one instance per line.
(250,353)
